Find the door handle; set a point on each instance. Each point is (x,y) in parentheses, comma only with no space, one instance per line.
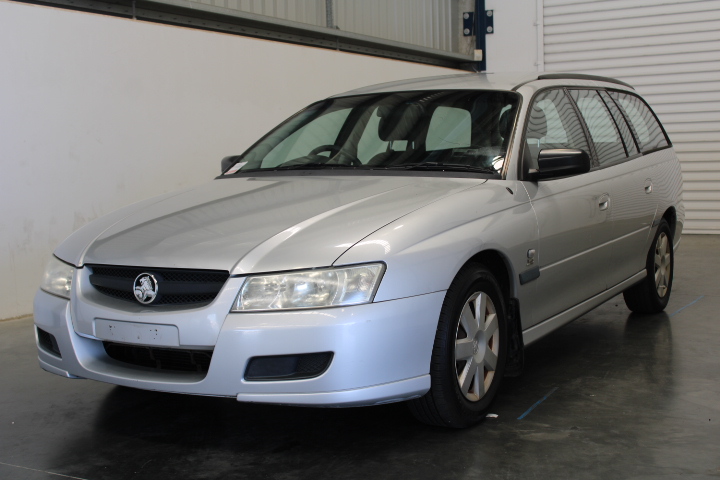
(648,186)
(604,202)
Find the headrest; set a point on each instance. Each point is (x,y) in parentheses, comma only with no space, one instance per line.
(503,123)
(537,125)
(398,122)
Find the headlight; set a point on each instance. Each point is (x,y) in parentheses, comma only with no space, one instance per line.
(58,278)
(328,287)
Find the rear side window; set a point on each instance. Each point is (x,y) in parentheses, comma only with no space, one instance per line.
(552,123)
(621,123)
(604,133)
(648,130)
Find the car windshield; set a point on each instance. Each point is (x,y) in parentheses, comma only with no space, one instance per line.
(429,130)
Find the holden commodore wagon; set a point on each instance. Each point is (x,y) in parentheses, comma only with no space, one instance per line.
(401,242)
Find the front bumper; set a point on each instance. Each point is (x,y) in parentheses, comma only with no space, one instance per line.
(381,353)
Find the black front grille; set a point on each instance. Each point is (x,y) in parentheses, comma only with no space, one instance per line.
(121,294)
(175,286)
(160,358)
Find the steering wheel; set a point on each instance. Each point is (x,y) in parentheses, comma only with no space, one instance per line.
(354,161)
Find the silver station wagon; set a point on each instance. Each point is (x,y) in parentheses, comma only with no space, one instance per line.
(401,242)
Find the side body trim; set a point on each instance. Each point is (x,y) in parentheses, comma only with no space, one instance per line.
(529,275)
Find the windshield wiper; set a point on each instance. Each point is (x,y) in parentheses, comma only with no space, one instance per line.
(318,165)
(450,167)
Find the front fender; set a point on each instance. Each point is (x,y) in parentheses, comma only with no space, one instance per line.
(425,249)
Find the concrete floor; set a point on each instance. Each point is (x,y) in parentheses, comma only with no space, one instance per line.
(629,397)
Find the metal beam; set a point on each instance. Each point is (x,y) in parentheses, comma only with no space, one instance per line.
(480,30)
(209,17)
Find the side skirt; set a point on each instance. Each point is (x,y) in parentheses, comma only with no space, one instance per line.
(540,330)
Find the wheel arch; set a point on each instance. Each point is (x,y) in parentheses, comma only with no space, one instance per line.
(670,216)
(499,266)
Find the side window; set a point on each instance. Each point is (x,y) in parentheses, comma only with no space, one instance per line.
(449,128)
(552,123)
(648,130)
(321,131)
(602,128)
(621,123)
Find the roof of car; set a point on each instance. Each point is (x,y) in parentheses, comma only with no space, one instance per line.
(479,81)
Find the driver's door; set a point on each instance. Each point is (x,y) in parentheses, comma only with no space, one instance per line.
(573,213)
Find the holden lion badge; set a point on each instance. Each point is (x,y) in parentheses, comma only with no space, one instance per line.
(145,288)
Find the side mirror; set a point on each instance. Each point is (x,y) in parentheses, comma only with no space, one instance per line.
(560,162)
(228,162)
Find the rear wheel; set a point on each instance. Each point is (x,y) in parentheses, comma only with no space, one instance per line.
(652,294)
(469,353)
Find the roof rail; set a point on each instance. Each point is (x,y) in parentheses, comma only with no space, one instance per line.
(581,76)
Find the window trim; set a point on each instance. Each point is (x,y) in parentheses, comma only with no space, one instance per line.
(513,136)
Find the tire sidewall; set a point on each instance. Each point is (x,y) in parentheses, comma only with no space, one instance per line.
(445,387)
(660,302)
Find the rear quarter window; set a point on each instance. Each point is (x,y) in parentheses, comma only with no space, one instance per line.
(649,133)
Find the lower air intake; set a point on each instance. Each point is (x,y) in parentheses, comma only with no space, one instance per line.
(288,367)
(175,359)
(48,342)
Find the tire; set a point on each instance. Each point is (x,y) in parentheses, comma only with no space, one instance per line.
(458,396)
(652,294)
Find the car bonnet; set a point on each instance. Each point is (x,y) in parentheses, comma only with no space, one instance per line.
(257,224)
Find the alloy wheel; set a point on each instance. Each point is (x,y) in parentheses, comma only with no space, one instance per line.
(662,264)
(477,344)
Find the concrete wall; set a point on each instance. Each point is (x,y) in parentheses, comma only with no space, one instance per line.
(98,112)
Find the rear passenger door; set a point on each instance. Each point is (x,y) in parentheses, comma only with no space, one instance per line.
(628,179)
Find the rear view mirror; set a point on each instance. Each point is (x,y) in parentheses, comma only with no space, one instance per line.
(228,162)
(560,162)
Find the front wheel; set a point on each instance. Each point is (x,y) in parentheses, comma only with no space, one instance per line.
(469,352)
(652,294)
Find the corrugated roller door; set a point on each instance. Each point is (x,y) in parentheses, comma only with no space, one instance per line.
(670,51)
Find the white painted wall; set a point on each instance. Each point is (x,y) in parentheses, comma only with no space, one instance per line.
(513,47)
(98,112)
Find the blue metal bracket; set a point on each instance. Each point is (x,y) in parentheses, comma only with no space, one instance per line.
(469,23)
(479,24)
(489,23)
